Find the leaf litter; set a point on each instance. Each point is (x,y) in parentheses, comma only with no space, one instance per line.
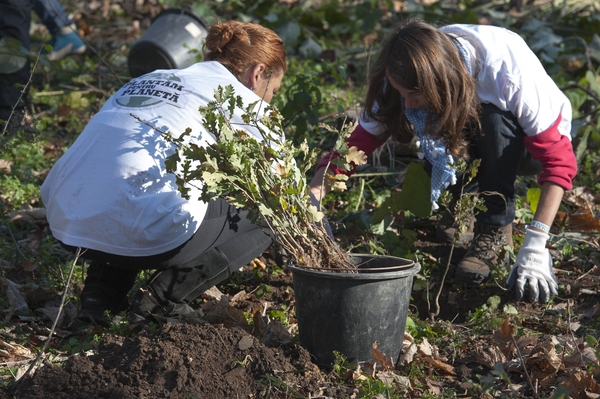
(541,351)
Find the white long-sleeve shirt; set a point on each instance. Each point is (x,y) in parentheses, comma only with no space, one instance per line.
(111,191)
(510,76)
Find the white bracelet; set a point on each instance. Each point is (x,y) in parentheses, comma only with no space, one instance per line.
(540,225)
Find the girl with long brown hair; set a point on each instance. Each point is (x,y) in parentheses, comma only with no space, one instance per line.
(476,92)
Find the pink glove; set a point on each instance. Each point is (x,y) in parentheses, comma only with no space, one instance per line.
(534,267)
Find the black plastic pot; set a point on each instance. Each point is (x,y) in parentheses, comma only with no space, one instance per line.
(167,44)
(348,312)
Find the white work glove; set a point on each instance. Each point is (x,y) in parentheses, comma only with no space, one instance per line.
(534,267)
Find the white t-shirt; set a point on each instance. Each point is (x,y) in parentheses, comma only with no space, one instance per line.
(110,191)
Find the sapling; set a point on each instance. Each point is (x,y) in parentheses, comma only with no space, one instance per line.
(467,206)
(265,177)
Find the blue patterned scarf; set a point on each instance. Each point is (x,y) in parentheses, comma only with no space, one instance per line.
(442,174)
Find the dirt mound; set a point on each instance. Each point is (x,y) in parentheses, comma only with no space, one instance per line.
(180,361)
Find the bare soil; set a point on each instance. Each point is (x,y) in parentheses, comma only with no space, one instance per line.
(229,357)
(237,355)
(179,361)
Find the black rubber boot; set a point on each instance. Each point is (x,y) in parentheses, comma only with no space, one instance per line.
(170,291)
(106,288)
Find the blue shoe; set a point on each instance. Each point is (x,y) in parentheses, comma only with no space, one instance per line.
(67,42)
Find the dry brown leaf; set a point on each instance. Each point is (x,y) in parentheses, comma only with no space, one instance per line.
(281,170)
(593,311)
(5,166)
(259,328)
(489,356)
(584,219)
(15,298)
(504,338)
(425,348)
(360,374)
(358,157)
(580,383)
(434,387)
(241,296)
(276,334)
(408,353)
(505,332)
(524,341)
(439,365)
(67,315)
(221,312)
(580,196)
(29,266)
(544,362)
(34,216)
(584,355)
(213,293)
(13,352)
(386,363)
(387,377)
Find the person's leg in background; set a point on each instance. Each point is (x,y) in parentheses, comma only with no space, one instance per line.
(65,39)
(502,151)
(15,21)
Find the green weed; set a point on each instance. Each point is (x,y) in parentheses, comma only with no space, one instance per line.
(74,346)
(489,317)
(372,387)
(281,315)
(244,362)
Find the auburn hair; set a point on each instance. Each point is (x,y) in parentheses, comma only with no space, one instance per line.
(242,45)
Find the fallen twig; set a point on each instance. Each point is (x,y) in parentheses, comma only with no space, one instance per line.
(533,387)
(60,308)
(16,363)
(432,316)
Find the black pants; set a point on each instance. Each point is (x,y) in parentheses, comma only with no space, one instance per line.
(224,227)
(15,21)
(500,147)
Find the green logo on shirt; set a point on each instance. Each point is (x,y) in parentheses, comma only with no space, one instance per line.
(151,89)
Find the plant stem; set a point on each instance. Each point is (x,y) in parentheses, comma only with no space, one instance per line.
(525,368)
(437,297)
(60,308)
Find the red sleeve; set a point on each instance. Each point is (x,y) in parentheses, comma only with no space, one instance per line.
(555,152)
(360,139)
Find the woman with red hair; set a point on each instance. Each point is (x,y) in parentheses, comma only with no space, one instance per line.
(111,195)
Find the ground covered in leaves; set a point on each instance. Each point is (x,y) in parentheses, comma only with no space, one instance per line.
(481,344)
(460,342)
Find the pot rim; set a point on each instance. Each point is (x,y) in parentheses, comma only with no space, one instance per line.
(360,269)
(409,268)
